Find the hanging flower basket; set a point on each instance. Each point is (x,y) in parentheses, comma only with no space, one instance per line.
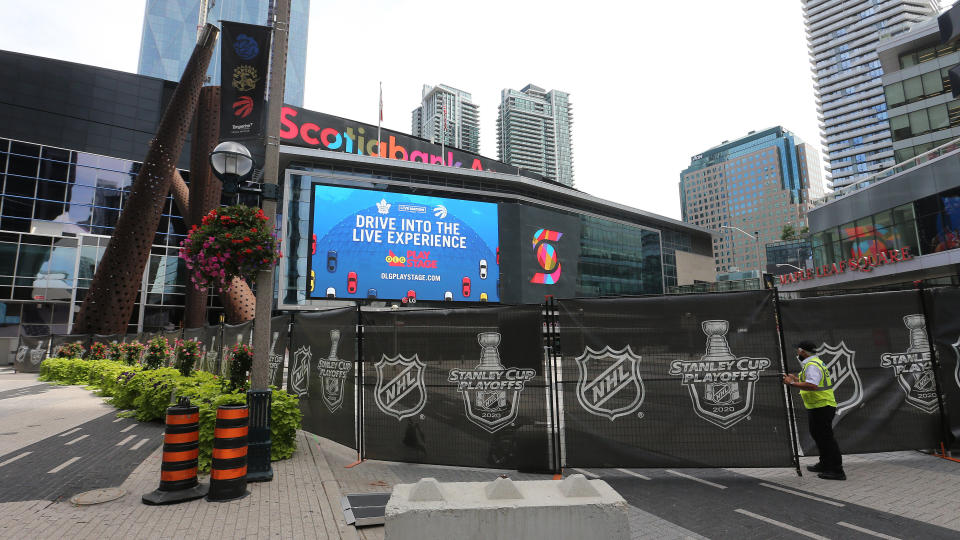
(230,242)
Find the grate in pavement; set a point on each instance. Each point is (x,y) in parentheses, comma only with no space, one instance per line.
(364,509)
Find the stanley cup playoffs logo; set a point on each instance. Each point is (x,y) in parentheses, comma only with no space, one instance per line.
(721,385)
(609,384)
(400,391)
(913,368)
(333,374)
(491,392)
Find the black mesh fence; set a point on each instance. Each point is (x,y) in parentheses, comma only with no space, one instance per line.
(456,387)
(233,334)
(673,381)
(876,348)
(107,339)
(944,311)
(31,352)
(279,339)
(323,373)
(59,340)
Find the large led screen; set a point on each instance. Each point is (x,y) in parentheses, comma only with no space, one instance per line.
(382,245)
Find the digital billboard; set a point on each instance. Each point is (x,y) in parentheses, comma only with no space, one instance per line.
(368,244)
(539,251)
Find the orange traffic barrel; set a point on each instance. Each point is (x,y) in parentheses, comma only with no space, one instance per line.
(181,450)
(228,471)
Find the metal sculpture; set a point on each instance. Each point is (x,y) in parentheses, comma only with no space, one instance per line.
(109,303)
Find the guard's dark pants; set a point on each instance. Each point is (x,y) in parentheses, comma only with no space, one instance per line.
(821,429)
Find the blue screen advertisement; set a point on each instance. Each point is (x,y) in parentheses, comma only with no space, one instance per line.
(368,244)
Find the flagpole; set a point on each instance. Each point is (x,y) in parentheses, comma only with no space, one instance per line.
(380,121)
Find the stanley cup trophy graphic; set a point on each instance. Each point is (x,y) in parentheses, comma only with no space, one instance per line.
(333,386)
(718,350)
(923,381)
(276,360)
(490,361)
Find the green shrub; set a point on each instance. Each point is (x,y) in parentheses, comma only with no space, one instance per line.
(115,351)
(148,392)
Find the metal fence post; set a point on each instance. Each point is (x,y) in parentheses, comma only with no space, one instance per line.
(791,414)
(935,364)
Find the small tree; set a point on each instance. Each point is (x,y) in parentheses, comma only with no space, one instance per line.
(241,358)
(788,233)
(188,352)
(158,352)
(132,352)
(70,350)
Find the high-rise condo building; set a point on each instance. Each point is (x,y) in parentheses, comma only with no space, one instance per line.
(533,132)
(170,33)
(444,103)
(842,36)
(759,184)
(923,112)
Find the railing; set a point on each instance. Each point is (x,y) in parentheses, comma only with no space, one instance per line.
(887,173)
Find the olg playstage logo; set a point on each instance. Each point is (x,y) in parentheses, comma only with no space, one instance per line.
(721,385)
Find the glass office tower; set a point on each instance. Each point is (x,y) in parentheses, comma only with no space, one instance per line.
(170,33)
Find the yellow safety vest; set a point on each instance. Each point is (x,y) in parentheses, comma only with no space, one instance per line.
(814,399)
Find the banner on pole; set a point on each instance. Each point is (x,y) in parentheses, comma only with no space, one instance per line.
(244,67)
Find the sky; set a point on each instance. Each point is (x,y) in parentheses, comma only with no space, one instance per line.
(651,83)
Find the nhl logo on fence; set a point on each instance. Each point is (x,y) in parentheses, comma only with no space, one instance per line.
(491,392)
(400,391)
(609,384)
(22,354)
(847,386)
(913,368)
(714,381)
(956,371)
(300,373)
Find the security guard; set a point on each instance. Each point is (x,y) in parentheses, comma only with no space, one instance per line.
(816,389)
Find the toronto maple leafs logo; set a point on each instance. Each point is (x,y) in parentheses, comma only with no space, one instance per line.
(609,384)
(383,207)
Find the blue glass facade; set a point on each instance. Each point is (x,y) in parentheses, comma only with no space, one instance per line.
(170,33)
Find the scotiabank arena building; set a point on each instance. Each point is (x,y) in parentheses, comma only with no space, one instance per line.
(385,222)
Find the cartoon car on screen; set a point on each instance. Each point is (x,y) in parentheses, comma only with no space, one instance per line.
(483,269)
(448,296)
(498,255)
(331,292)
(331,261)
(412,296)
(466,287)
(352,282)
(313,244)
(312,277)
(483,297)
(371,293)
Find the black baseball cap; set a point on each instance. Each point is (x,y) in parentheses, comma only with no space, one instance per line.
(808,346)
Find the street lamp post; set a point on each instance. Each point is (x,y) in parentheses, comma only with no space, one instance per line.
(756,240)
(231,163)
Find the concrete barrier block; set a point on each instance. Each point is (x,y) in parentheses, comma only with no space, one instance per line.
(543,510)
(576,485)
(427,489)
(502,488)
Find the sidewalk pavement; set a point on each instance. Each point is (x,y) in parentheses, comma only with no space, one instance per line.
(303,500)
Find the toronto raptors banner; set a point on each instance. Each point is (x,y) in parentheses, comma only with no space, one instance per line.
(876,349)
(944,308)
(31,352)
(244,66)
(323,372)
(456,387)
(673,381)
